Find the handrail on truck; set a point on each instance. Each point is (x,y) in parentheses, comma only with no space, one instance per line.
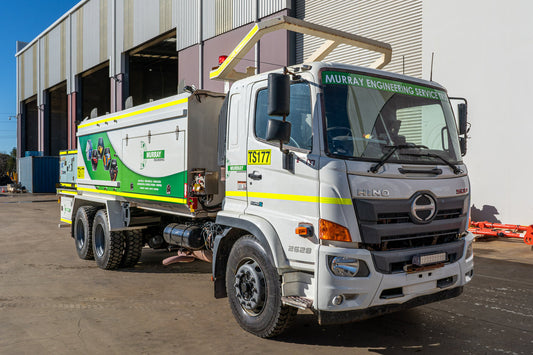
(333,38)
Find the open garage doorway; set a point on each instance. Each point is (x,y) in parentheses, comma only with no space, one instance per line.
(56,120)
(93,92)
(153,70)
(30,126)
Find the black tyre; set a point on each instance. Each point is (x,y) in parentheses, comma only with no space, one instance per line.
(133,246)
(108,247)
(254,290)
(82,232)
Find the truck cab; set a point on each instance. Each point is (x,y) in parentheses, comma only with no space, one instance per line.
(364,208)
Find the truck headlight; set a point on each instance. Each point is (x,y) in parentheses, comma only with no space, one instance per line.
(347,266)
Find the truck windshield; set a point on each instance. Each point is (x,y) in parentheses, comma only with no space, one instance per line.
(367,116)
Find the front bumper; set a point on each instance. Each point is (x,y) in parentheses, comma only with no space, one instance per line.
(379,293)
(327,318)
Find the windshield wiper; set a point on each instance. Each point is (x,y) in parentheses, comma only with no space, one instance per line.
(454,167)
(393,148)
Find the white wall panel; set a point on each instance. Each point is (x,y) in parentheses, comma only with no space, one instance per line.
(145,21)
(54,57)
(187,31)
(91,34)
(483,52)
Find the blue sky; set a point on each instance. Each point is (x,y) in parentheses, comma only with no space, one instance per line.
(20,20)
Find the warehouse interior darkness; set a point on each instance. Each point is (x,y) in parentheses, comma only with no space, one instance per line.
(30,115)
(56,113)
(153,70)
(94,92)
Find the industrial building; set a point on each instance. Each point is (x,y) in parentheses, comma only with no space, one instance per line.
(104,55)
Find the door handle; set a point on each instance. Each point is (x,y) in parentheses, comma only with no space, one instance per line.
(256,175)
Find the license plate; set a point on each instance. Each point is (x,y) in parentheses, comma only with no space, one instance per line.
(429,259)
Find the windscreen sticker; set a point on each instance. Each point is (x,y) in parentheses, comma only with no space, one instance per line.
(259,157)
(370,82)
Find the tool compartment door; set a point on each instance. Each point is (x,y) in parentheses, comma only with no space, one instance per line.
(153,159)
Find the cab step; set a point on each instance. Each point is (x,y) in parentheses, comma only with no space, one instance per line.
(297,301)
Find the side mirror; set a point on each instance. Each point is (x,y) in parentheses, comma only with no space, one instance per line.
(462,112)
(463,122)
(279,95)
(462,145)
(278,131)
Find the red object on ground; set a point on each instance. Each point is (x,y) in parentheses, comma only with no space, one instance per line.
(503,230)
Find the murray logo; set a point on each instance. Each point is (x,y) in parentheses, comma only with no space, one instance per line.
(154,154)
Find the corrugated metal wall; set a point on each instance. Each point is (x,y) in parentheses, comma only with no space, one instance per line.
(28,74)
(398,22)
(221,16)
(84,39)
(187,31)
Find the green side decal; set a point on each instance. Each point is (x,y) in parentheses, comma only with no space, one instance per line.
(237,167)
(154,154)
(371,82)
(102,163)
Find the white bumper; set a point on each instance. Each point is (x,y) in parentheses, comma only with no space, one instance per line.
(359,293)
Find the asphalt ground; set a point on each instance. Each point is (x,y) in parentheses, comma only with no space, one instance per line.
(51,302)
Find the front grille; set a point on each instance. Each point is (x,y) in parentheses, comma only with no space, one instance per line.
(416,240)
(386,224)
(403,217)
(449,214)
(393,218)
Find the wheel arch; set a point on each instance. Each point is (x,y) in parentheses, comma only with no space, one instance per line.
(236,227)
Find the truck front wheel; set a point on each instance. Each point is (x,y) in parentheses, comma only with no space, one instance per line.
(254,290)
(82,232)
(108,247)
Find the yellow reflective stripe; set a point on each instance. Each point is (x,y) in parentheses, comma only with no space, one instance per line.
(67,192)
(288,197)
(66,221)
(139,196)
(129,114)
(336,200)
(72,151)
(67,185)
(63,152)
(241,44)
(236,193)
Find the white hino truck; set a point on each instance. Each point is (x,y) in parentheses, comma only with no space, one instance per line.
(325,186)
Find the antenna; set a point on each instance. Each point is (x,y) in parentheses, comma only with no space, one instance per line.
(431,70)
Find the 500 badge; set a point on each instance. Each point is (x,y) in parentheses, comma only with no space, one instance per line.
(259,157)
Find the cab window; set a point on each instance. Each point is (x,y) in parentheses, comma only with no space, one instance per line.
(299,117)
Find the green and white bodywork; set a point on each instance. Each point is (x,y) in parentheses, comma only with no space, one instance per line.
(146,154)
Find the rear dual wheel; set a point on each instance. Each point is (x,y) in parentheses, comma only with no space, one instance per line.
(115,249)
(82,231)
(108,246)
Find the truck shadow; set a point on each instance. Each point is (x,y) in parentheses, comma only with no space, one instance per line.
(151,263)
(403,331)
